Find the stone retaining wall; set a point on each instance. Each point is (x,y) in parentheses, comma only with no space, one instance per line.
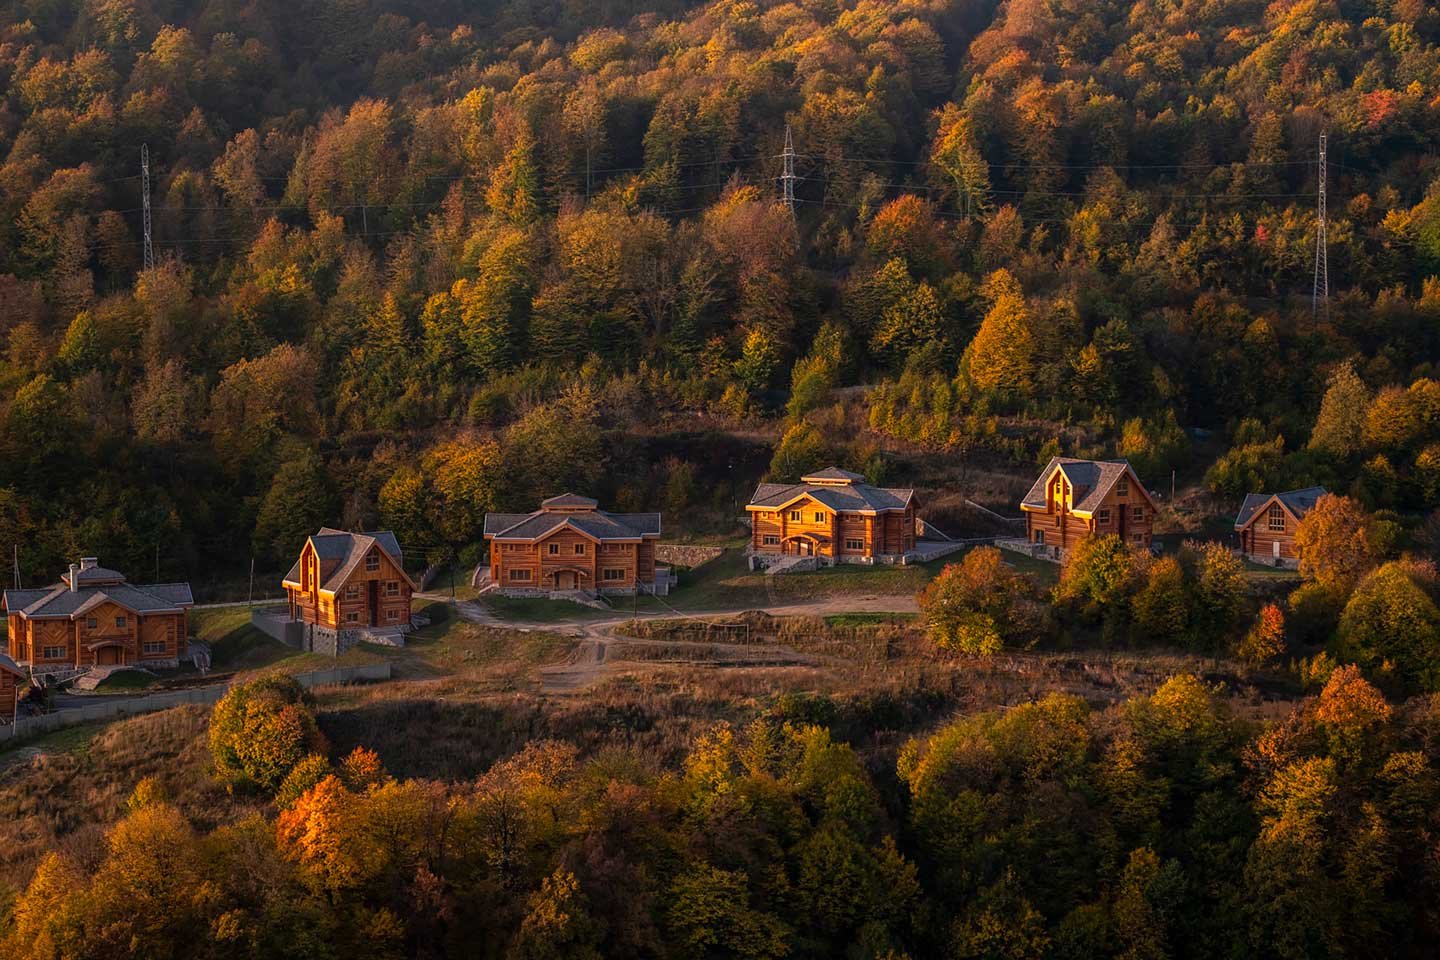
(685,554)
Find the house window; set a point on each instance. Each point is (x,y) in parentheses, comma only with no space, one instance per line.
(853,544)
(819,517)
(579,549)
(120,622)
(52,653)
(392,615)
(392,588)
(613,574)
(1103,516)
(1137,513)
(795,516)
(519,574)
(91,623)
(352,617)
(372,561)
(1122,486)
(1138,538)
(1277,517)
(554,549)
(352,590)
(770,540)
(153,648)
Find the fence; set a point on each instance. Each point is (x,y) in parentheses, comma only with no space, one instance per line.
(24,727)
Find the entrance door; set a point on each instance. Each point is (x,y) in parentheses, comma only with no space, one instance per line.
(1275,549)
(565,580)
(374,603)
(1040,537)
(107,656)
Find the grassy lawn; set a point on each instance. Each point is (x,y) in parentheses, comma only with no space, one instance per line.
(237,646)
(541,610)
(726,583)
(127,681)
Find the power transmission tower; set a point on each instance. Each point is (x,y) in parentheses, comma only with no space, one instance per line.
(788,177)
(145,203)
(1320,295)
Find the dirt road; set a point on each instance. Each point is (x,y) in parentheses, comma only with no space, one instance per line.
(593,656)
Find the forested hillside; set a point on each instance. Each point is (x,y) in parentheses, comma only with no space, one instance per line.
(419,260)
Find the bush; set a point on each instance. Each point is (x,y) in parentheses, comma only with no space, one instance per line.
(259,731)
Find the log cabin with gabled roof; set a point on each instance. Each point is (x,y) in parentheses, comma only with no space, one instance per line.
(834,516)
(95,618)
(1267,523)
(1073,499)
(11,677)
(346,581)
(572,547)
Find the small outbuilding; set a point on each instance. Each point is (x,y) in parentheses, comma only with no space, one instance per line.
(1267,524)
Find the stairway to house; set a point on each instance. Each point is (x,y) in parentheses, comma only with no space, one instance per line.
(95,676)
(792,564)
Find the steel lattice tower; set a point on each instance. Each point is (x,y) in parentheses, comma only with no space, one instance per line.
(145,204)
(1320,294)
(788,177)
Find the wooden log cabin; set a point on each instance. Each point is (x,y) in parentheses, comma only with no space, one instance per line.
(350,581)
(1267,523)
(570,546)
(1074,499)
(11,677)
(833,515)
(93,617)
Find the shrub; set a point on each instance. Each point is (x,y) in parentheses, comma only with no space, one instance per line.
(260,730)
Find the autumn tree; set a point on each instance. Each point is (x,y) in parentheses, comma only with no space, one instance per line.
(999,358)
(978,604)
(1340,425)
(1335,543)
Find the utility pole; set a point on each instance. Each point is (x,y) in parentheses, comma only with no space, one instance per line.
(788,177)
(1320,293)
(17,566)
(145,204)
(250,600)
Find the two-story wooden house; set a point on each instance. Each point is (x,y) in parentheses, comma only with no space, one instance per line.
(571,546)
(1074,499)
(349,581)
(834,515)
(93,617)
(1267,523)
(11,677)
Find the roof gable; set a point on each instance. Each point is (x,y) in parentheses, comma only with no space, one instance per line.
(598,525)
(849,497)
(1091,482)
(1297,503)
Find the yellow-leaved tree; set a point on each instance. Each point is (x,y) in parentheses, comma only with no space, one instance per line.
(1000,358)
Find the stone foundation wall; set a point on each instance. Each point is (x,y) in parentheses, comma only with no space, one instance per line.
(685,554)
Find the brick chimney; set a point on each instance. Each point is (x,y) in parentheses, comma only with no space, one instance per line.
(74,577)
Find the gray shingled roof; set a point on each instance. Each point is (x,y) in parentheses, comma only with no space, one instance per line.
(348,549)
(1093,477)
(570,500)
(11,666)
(833,473)
(61,601)
(599,524)
(854,496)
(1298,502)
(92,575)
